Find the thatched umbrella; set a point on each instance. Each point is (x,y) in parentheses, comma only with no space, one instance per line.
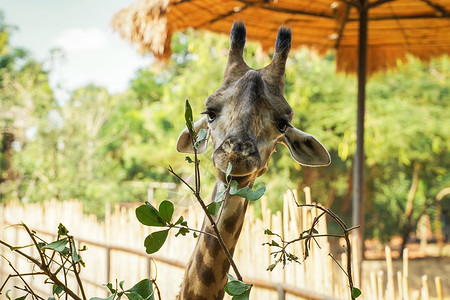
(367,36)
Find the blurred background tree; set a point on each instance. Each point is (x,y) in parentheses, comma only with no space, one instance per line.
(95,147)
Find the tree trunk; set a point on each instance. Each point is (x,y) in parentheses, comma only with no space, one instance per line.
(6,164)
(6,171)
(408,226)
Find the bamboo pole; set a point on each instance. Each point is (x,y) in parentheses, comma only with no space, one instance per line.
(380,284)
(439,291)
(415,295)
(390,274)
(355,261)
(400,284)
(373,286)
(405,274)
(424,290)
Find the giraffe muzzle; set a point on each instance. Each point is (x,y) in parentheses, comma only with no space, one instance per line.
(243,156)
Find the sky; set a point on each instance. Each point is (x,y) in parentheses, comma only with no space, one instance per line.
(92,52)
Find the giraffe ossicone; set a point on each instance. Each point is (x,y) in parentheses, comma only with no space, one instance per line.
(245,119)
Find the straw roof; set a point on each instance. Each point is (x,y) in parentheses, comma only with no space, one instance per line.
(396,27)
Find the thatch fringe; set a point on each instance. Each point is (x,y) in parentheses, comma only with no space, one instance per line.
(396,28)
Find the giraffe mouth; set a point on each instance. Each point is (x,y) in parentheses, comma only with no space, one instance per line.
(242,166)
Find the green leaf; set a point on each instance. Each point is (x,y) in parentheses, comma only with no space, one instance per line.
(230,277)
(143,288)
(58,245)
(166,211)
(273,243)
(188,159)
(246,192)
(201,135)
(148,215)
(214,207)
(356,292)
(179,221)
(7,294)
(183,231)
(268,232)
(271,267)
(22,298)
(219,195)
(236,287)
(22,247)
(243,296)
(134,296)
(57,289)
(109,286)
(75,256)
(255,195)
(154,241)
(62,230)
(121,285)
(189,119)
(107,298)
(233,187)
(51,298)
(229,168)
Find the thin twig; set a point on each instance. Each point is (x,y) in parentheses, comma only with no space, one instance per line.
(195,230)
(74,265)
(21,278)
(181,179)
(346,231)
(205,210)
(43,260)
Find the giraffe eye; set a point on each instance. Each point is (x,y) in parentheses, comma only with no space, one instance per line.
(211,116)
(282,126)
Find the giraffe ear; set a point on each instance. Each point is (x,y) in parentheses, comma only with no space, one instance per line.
(184,144)
(305,148)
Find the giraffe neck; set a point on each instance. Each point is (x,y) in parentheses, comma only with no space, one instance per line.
(206,273)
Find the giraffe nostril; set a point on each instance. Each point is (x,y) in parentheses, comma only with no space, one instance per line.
(247,148)
(227,146)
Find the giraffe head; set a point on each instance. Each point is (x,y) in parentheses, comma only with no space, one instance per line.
(248,116)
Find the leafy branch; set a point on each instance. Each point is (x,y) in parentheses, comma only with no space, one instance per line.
(283,256)
(71,262)
(55,261)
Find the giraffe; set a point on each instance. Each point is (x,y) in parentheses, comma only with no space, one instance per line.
(245,119)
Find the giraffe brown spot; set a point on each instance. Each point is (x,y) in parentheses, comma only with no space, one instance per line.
(225,266)
(212,246)
(186,287)
(230,223)
(206,276)
(238,231)
(220,295)
(198,260)
(205,273)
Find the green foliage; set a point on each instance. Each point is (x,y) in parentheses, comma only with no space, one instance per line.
(246,192)
(148,215)
(97,146)
(143,290)
(238,289)
(356,292)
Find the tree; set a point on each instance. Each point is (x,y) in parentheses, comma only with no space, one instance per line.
(25,98)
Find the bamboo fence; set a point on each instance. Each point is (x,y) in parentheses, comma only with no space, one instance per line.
(116,252)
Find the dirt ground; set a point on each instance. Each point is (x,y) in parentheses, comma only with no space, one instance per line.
(430,266)
(429,259)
